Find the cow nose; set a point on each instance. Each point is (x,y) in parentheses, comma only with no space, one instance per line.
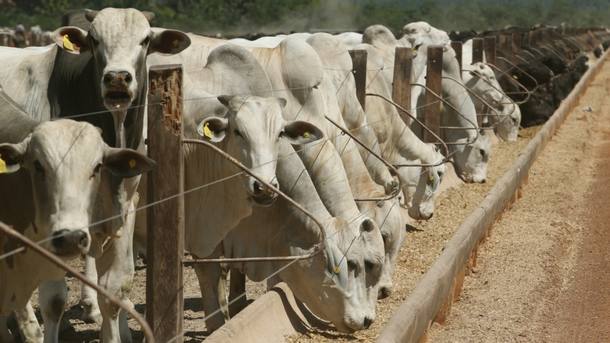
(70,242)
(367,322)
(117,77)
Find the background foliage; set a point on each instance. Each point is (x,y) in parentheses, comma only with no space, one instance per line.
(271,16)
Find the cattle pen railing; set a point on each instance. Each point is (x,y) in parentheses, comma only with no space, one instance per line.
(165,246)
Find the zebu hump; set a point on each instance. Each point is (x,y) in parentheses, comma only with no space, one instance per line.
(242,72)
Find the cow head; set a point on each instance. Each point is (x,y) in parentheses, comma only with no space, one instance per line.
(341,284)
(64,159)
(392,225)
(423,197)
(471,159)
(506,115)
(250,131)
(119,41)
(420,33)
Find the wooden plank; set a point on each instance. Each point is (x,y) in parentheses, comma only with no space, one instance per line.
(457,47)
(165,241)
(477,50)
(401,86)
(359,70)
(432,109)
(489,45)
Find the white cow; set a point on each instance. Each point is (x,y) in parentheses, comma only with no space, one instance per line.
(60,176)
(504,115)
(471,148)
(333,284)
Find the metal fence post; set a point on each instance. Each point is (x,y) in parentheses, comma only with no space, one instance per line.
(432,109)
(165,241)
(477,50)
(359,70)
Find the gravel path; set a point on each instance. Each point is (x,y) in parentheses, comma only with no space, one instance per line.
(543,275)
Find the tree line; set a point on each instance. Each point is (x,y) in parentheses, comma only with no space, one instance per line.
(234,17)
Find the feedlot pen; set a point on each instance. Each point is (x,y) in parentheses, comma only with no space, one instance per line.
(534,280)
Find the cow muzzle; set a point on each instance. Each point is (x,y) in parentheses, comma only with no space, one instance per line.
(260,194)
(117,89)
(70,243)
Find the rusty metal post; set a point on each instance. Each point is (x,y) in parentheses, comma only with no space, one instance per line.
(489,45)
(457,47)
(432,109)
(401,86)
(359,71)
(477,50)
(165,241)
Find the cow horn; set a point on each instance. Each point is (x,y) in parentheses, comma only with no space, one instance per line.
(149,15)
(90,14)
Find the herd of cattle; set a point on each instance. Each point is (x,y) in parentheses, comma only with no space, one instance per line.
(73,151)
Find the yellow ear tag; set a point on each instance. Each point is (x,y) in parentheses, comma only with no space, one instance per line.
(430,178)
(2,166)
(207,132)
(132,163)
(337,270)
(67,44)
(306,134)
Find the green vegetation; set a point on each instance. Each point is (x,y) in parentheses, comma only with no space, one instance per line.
(270,16)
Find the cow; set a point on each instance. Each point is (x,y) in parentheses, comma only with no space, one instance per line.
(333,284)
(470,148)
(60,174)
(504,115)
(100,76)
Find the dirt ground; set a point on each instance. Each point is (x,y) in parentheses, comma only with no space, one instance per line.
(543,275)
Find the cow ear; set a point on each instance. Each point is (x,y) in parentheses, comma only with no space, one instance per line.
(90,14)
(126,162)
(71,39)
(169,42)
(12,155)
(301,132)
(213,129)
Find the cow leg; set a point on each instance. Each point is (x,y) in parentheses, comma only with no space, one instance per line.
(88,296)
(115,269)
(52,299)
(28,324)
(237,288)
(210,279)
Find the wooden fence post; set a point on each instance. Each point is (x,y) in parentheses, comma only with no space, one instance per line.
(457,47)
(359,70)
(477,50)
(516,38)
(489,45)
(432,109)
(165,241)
(401,85)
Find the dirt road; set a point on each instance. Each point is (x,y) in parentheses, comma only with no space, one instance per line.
(544,274)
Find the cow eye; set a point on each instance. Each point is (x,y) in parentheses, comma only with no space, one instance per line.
(237,133)
(483,153)
(145,41)
(368,265)
(93,40)
(39,168)
(96,170)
